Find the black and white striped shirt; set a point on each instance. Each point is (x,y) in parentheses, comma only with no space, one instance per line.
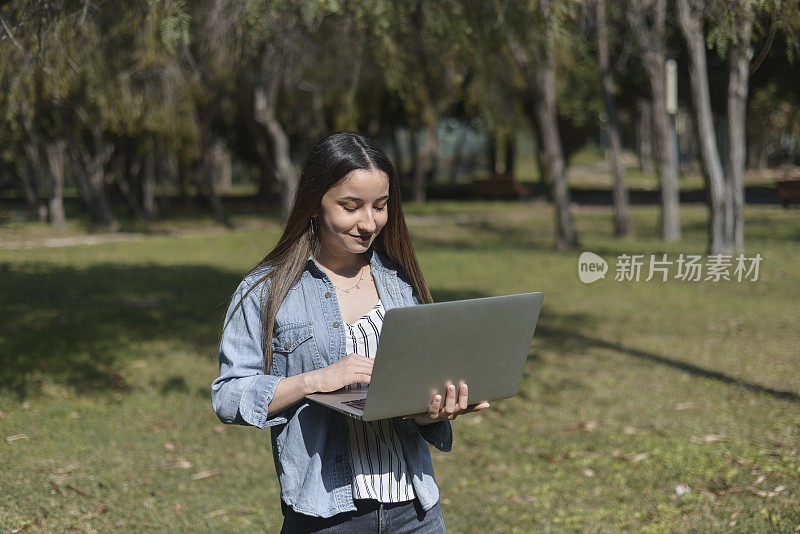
(376,457)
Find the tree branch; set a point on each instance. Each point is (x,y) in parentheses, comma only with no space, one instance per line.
(768,45)
(10,35)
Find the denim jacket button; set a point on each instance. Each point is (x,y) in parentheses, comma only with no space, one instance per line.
(336,325)
(287,345)
(328,294)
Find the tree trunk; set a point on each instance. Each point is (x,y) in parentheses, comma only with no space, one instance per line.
(213,197)
(510,155)
(644,135)
(56,160)
(266,164)
(757,153)
(26,188)
(91,172)
(491,153)
(99,188)
(546,116)
(689,13)
(540,67)
(669,229)
(686,130)
(207,177)
(739,65)
(285,172)
(149,187)
(413,156)
(762,160)
(622,220)
(221,161)
(37,166)
(37,176)
(458,154)
(649,30)
(398,151)
(425,161)
(168,174)
(124,182)
(537,139)
(91,178)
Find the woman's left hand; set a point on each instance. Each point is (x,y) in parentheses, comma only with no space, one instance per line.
(451,407)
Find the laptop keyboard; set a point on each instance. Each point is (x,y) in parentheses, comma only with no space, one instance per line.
(357,403)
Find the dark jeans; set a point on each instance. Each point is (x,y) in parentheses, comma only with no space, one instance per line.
(370,516)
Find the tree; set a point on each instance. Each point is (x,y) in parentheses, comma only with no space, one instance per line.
(33,74)
(622,221)
(739,56)
(773,115)
(730,30)
(419,46)
(691,14)
(532,39)
(295,72)
(647,21)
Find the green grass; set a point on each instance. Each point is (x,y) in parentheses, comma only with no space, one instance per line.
(108,352)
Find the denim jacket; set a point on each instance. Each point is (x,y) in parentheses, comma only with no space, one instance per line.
(310,443)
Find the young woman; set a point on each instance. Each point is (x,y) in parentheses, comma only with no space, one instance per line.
(307,319)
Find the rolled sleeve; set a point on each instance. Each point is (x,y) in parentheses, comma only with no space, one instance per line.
(253,407)
(242,392)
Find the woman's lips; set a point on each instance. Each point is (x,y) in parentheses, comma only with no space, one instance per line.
(363,238)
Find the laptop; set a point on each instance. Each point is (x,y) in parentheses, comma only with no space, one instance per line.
(422,349)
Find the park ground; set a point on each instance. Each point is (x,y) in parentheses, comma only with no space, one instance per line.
(631,389)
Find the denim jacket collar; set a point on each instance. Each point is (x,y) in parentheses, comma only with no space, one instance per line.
(383,272)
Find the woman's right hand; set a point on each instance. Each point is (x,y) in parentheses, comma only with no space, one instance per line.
(350,369)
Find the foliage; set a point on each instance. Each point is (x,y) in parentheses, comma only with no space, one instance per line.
(126,82)
(770,16)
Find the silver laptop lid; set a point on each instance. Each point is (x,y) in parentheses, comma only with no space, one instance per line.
(483,342)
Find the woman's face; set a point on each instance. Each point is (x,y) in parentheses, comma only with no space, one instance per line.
(353,212)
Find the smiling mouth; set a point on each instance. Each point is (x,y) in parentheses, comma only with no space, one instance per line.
(363,238)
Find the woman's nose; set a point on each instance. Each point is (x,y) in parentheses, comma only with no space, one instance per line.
(367,222)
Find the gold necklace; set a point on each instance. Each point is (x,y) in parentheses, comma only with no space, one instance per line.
(357,286)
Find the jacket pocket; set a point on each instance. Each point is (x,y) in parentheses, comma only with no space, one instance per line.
(292,349)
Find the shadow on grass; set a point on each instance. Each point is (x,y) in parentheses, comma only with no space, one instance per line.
(555,333)
(487,236)
(499,236)
(80,327)
(73,326)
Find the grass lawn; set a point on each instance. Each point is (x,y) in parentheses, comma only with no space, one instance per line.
(630,388)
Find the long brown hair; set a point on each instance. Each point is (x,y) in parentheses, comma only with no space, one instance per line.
(329,161)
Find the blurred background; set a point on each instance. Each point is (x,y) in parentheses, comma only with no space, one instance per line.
(148,155)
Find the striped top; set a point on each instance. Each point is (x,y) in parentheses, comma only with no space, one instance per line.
(376,457)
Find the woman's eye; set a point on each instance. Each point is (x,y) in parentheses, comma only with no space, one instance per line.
(380,208)
(350,210)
